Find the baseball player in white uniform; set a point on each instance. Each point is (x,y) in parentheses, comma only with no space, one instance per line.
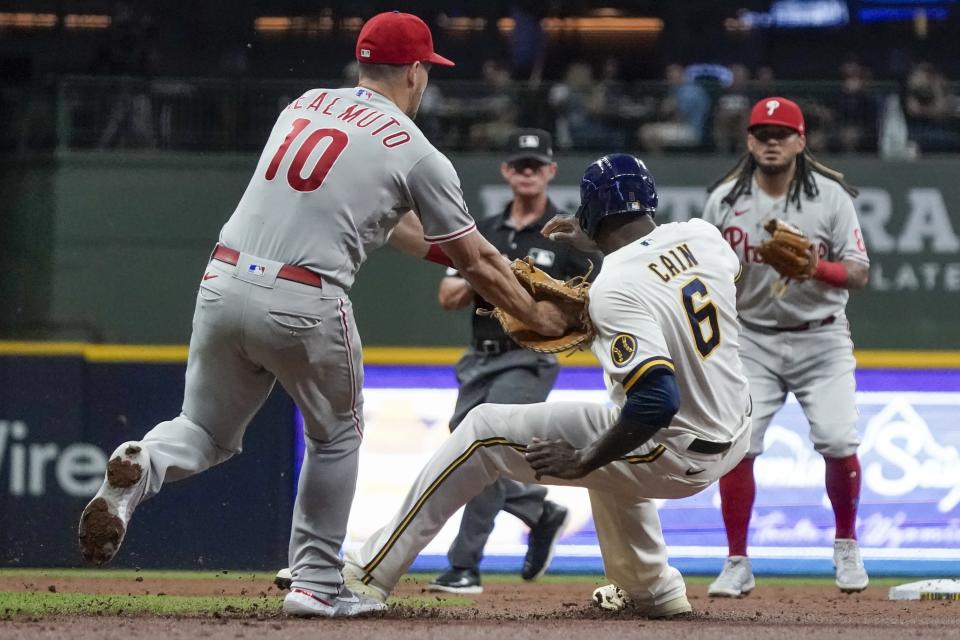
(340,170)
(795,336)
(664,308)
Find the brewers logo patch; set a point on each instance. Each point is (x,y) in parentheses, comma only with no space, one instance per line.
(623,349)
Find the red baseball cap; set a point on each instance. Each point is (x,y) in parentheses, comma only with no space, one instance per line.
(397,38)
(778,111)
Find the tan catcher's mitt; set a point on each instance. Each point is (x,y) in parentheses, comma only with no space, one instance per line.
(571,295)
(787,250)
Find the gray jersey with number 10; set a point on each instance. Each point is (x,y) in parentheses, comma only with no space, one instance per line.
(339,169)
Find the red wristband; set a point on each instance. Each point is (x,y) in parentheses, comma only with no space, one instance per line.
(833,273)
(436,254)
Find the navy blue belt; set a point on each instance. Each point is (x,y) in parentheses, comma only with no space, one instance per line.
(813,324)
(495,346)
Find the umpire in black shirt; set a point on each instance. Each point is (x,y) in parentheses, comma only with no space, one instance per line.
(495,369)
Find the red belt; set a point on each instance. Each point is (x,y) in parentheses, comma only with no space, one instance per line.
(287,271)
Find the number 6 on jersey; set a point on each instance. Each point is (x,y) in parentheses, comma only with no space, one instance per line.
(700,309)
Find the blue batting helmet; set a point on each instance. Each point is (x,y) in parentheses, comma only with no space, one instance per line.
(615,184)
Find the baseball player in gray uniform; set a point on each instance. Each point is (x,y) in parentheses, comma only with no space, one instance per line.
(664,308)
(341,169)
(795,336)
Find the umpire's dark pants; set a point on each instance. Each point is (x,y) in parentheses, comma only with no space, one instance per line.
(511,377)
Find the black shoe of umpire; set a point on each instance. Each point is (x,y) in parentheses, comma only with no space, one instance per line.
(457,581)
(543,538)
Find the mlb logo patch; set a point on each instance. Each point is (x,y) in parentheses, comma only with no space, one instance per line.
(543,257)
(363,93)
(364,53)
(529,142)
(633,206)
(256,269)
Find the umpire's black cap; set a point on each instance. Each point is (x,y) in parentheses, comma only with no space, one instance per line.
(530,143)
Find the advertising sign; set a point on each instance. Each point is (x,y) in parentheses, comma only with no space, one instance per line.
(909,521)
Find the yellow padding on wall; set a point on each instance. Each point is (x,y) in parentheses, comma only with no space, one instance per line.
(418,355)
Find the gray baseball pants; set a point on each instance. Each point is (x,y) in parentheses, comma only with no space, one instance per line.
(251,329)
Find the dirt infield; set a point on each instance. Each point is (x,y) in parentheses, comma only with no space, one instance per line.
(515,611)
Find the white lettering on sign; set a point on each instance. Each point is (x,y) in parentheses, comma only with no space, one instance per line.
(928,220)
(922,276)
(910,457)
(78,468)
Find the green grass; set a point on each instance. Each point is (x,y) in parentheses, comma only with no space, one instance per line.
(494,578)
(43,603)
(48,604)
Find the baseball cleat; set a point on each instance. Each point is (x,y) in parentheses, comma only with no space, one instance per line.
(611,598)
(457,581)
(104,520)
(851,574)
(678,606)
(306,604)
(543,539)
(283,579)
(735,580)
(353,580)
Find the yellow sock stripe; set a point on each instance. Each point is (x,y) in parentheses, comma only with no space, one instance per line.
(643,368)
(489,442)
(646,457)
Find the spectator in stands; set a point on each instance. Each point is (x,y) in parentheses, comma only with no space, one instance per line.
(494,112)
(928,110)
(580,106)
(764,84)
(732,111)
(129,53)
(856,110)
(682,114)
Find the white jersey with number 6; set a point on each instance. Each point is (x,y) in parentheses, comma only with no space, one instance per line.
(668,301)
(340,168)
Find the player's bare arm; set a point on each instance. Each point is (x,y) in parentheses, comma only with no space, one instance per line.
(858,274)
(650,406)
(846,274)
(407,236)
(564,228)
(489,274)
(454,293)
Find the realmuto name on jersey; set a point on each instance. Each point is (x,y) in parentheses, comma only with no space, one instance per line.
(361,117)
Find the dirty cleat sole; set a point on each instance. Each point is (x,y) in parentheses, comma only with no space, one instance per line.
(103,523)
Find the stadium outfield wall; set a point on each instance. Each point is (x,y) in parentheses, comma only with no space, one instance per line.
(109,247)
(68,404)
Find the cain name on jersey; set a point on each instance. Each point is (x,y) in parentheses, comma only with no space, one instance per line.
(680,259)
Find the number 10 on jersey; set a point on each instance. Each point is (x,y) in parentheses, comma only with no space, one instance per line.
(338,140)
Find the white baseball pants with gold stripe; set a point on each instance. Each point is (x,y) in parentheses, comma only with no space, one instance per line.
(490,443)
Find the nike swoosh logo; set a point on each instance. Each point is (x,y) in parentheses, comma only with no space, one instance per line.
(351,599)
(209,276)
(693,472)
(741,212)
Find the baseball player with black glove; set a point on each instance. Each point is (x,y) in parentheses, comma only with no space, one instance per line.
(663,307)
(792,223)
